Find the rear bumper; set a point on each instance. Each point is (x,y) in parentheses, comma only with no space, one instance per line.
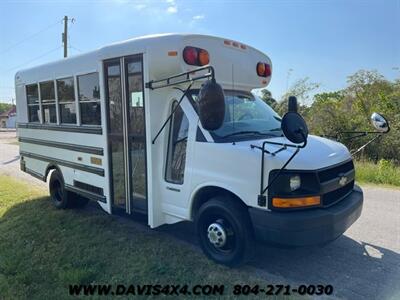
(308,227)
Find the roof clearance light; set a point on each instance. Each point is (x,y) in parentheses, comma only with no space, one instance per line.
(196,56)
(263,69)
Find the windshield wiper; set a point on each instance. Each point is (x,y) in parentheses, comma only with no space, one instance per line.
(276,129)
(244,132)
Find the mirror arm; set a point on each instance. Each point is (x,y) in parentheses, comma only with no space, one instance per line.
(172,113)
(262,199)
(181,78)
(279,150)
(280,171)
(261,148)
(357,134)
(366,144)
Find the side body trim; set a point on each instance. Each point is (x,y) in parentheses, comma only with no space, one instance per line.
(66,128)
(73,147)
(87,194)
(89,169)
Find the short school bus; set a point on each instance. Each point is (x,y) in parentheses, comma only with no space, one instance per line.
(127,126)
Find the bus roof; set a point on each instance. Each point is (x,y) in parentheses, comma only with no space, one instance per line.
(235,63)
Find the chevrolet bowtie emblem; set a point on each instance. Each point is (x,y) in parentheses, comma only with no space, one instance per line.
(343,180)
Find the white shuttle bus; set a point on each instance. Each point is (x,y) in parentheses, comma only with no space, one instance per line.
(167,126)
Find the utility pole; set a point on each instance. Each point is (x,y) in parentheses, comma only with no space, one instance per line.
(65,36)
(289,72)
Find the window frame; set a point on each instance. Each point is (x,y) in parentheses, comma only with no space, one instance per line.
(49,102)
(30,104)
(169,148)
(59,102)
(92,100)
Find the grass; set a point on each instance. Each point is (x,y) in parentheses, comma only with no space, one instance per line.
(43,250)
(384,172)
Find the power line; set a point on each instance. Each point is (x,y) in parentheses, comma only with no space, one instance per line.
(30,37)
(33,59)
(73,47)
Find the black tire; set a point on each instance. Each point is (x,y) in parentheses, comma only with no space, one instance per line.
(233,223)
(58,194)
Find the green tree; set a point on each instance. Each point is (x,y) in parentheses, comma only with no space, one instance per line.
(302,90)
(5,107)
(266,96)
(350,110)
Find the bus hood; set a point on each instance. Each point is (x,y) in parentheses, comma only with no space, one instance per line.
(319,153)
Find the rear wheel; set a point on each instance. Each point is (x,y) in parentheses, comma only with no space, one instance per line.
(225,231)
(58,194)
(61,197)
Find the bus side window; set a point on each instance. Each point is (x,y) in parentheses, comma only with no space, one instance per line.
(66,100)
(89,99)
(48,100)
(32,98)
(176,155)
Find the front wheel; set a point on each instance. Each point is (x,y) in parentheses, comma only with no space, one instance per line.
(225,231)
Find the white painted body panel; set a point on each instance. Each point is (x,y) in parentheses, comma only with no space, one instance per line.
(234,167)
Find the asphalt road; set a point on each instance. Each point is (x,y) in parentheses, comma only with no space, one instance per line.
(362,264)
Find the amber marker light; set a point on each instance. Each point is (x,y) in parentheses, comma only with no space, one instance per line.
(296,202)
(263,69)
(204,58)
(260,69)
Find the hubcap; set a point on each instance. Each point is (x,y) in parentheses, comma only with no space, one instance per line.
(216,235)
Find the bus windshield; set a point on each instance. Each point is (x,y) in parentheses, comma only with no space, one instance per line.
(247,117)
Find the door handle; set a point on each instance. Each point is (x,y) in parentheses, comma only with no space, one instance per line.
(173,189)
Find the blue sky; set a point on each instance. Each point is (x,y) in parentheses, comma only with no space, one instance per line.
(323,40)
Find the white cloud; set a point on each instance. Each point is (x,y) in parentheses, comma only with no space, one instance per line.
(172,7)
(198,17)
(140,6)
(172,10)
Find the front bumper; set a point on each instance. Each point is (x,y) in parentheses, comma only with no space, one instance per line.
(307,227)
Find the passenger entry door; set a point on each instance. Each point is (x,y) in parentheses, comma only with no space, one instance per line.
(126,133)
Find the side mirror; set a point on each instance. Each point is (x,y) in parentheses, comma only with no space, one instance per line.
(211,104)
(292,104)
(293,125)
(380,123)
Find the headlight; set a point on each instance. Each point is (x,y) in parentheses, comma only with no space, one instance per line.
(294,182)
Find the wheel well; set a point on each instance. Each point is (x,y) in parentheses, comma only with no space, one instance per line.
(208,192)
(51,167)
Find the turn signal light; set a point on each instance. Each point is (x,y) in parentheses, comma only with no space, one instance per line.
(263,69)
(196,56)
(296,202)
(204,59)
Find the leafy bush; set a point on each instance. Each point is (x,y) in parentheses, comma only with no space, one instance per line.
(350,109)
(384,172)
